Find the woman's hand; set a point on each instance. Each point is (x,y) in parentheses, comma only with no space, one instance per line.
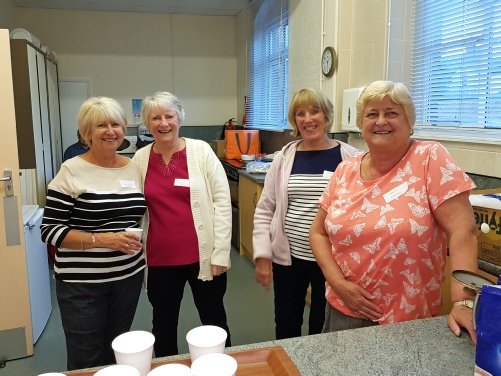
(358,300)
(263,272)
(218,270)
(125,242)
(462,317)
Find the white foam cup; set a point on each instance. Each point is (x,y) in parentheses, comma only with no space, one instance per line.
(206,339)
(52,374)
(136,231)
(135,349)
(214,365)
(118,370)
(173,369)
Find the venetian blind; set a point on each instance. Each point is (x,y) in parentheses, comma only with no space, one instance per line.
(456,69)
(267,97)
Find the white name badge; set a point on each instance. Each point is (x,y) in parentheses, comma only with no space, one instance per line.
(396,192)
(127,183)
(328,174)
(181,183)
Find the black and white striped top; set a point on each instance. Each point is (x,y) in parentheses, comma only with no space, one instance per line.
(310,174)
(89,198)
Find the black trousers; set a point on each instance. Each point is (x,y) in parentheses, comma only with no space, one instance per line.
(290,284)
(165,293)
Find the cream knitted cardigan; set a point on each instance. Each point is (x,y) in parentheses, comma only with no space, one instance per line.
(210,204)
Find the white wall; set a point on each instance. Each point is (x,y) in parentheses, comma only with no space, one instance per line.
(132,55)
(7,14)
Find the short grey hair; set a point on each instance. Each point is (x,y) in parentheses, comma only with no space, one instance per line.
(161,100)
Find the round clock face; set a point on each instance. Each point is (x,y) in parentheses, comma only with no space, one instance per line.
(328,61)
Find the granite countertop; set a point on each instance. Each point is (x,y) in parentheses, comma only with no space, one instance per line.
(419,347)
(256,178)
(489,268)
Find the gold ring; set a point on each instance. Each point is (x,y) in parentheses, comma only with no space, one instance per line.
(126,245)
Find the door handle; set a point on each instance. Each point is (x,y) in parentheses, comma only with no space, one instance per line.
(9,188)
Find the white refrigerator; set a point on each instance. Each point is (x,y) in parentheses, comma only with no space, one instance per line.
(38,270)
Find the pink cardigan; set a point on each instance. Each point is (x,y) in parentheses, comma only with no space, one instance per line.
(269,239)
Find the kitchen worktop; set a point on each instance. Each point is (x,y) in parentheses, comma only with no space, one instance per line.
(420,347)
(256,178)
(489,268)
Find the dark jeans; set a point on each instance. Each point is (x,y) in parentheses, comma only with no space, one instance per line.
(290,284)
(93,315)
(165,292)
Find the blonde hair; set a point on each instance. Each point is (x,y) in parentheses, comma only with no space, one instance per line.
(99,110)
(305,98)
(396,91)
(161,100)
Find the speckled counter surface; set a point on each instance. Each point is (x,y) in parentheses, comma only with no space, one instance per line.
(489,268)
(420,347)
(256,178)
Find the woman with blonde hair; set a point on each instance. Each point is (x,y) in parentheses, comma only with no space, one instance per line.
(387,218)
(288,204)
(99,266)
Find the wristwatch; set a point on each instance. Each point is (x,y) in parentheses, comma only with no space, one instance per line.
(466,303)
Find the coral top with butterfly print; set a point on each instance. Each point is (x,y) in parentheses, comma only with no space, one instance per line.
(383,233)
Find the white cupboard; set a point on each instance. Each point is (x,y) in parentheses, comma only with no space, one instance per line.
(37,119)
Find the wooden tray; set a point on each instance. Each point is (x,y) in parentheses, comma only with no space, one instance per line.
(268,361)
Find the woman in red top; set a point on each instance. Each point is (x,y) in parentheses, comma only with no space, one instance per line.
(187,227)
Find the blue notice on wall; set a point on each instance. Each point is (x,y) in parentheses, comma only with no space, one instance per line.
(136,110)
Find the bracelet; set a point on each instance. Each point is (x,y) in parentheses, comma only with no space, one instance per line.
(466,303)
(93,240)
(81,240)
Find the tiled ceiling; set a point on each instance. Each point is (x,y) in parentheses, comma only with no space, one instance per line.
(198,7)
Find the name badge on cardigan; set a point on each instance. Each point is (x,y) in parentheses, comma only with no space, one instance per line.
(181,183)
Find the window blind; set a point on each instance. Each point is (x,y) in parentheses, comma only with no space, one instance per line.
(267,97)
(456,63)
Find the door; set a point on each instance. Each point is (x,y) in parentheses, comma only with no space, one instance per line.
(72,93)
(15,322)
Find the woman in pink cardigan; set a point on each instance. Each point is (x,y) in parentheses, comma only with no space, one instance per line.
(288,205)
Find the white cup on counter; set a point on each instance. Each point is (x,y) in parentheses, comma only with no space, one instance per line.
(118,370)
(173,369)
(214,365)
(206,339)
(134,349)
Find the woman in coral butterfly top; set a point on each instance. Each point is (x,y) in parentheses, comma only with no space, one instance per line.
(386,219)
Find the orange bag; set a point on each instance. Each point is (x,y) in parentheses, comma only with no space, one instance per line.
(241,142)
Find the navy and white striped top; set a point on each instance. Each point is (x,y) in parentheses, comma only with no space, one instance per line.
(89,198)
(308,179)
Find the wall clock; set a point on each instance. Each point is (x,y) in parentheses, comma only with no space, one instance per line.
(329,61)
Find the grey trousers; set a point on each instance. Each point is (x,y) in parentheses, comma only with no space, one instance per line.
(336,321)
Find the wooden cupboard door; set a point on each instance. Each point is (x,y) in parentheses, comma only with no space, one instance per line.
(249,193)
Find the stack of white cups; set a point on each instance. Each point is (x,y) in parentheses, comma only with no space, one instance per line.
(206,344)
